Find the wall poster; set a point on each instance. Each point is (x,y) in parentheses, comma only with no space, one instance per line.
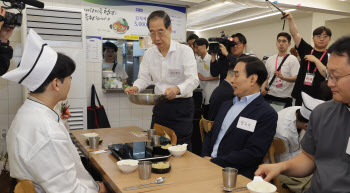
(117,18)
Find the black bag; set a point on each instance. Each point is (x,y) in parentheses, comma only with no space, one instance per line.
(97,117)
(5,179)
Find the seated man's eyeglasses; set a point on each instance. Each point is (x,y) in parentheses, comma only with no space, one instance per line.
(332,77)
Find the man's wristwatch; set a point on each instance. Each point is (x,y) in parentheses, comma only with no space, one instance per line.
(7,44)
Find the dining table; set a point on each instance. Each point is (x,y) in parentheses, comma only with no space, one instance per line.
(189,173)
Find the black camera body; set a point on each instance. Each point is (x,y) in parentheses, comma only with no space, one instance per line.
(15,19)
(227,41)
(12,20)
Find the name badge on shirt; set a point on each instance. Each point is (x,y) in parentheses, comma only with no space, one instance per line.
(348,148)
(174,72)
(278,82)
(246,124)
(309,78)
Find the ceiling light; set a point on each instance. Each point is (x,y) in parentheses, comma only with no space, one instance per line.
(241,21)
(209,8)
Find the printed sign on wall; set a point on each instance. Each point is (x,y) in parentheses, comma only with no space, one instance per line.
(117,18)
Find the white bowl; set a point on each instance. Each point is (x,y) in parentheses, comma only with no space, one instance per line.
(178,151)
(128,165)
(258,185)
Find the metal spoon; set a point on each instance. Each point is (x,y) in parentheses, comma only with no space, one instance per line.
(158,181)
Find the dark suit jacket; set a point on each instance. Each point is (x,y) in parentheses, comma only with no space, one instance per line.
(239,148)
(222,93)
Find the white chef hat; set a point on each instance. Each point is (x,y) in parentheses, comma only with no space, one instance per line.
(309,104)
(37,62)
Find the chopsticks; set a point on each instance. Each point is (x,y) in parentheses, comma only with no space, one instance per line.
(139,187)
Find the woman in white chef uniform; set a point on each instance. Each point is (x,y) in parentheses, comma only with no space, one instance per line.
(38,144)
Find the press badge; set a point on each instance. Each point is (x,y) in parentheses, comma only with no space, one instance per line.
(279,82)
(174,72)
(309,78)
(246,124)
(348,148)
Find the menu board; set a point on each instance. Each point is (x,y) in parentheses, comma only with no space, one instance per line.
(117,18)
(93,49)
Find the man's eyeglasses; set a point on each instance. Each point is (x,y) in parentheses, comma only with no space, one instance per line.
(332,77)
(323,36)
(159,34)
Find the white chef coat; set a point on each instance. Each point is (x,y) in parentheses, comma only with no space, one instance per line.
(177,68)
(41,150)
(203,67)
(289,68)
(287,130)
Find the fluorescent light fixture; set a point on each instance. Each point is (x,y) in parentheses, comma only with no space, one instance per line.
(209,8)
(241,21)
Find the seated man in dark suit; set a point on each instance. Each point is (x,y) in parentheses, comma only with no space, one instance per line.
(222,93)
(244,127)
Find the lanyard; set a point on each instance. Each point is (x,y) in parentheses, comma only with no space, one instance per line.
(277,60)
(308,64)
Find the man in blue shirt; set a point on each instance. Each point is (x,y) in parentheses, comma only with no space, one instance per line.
(244,127)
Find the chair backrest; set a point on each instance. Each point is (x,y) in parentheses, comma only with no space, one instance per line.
(24,186)
(205,126)
(277,147)
(160,129)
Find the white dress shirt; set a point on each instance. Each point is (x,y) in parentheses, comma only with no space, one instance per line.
(203,67)
(287,130)
(177,68)
(41,150)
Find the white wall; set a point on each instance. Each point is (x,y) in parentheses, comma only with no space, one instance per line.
(261,38)
(339,29)
(120,111)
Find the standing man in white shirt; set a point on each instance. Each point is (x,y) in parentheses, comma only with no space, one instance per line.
(207,82)
(279,92)
(173,69)
(38,144)
(190,40)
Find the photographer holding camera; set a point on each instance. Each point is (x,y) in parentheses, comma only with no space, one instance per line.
(5,48)
(227,58)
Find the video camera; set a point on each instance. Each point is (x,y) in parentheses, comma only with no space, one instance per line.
(227,41)
(12,19)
